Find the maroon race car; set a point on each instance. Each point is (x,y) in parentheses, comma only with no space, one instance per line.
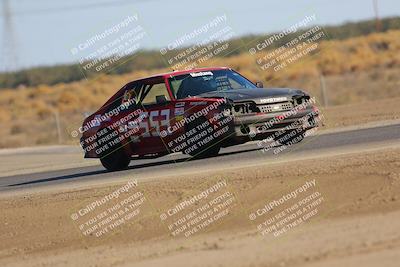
(195,112)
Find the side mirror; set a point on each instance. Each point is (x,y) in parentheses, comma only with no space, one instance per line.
(161,99)
(259,84)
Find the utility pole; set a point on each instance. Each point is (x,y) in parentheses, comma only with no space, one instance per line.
(324,94)
(9,55)
(58,126)
(378,23)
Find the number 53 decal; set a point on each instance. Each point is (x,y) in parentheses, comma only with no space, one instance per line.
(158,120)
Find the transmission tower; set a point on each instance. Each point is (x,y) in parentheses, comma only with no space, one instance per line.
(9,55)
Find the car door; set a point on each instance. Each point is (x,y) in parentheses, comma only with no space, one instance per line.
(155,101)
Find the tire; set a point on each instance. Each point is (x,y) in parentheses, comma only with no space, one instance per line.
(206,153)
(115,161)
(115,158)
(211,149)
(295,137)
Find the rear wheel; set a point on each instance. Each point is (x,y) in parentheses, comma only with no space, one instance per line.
(115,158)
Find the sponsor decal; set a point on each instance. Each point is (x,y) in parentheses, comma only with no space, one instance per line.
(202,73)
(96,121)
(179,118)
(179,111)
(273,99)
(180,104)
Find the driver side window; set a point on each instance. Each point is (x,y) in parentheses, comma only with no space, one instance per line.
(153,91)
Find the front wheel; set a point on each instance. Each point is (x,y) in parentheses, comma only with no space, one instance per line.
(205,146)
(291,137)
(206,153)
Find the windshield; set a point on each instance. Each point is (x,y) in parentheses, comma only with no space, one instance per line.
(198,83)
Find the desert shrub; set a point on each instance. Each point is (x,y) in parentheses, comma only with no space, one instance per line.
(16,129)
(42,110)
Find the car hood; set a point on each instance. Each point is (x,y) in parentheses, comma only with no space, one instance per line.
(257,95)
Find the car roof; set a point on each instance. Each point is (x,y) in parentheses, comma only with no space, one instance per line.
(162,76)
(180,72)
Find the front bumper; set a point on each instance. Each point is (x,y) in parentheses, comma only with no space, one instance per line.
(264,123)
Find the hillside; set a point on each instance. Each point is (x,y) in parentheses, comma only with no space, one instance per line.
(149,60)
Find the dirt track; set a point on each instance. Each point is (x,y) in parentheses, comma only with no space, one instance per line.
(356,224)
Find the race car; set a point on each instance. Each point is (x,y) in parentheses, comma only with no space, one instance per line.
(196,112)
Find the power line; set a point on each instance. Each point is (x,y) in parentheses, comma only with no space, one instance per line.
(80,7)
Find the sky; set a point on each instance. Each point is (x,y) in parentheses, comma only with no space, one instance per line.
(43,32)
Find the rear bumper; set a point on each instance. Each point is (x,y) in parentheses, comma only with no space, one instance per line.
(256,124)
